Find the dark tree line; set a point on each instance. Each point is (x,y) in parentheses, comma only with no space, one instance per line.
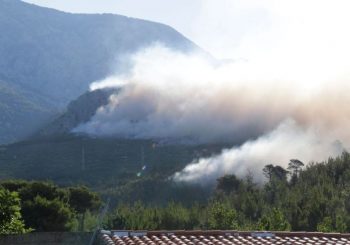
(315,197)
(43,206)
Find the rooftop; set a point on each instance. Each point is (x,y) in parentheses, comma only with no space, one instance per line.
(220,237)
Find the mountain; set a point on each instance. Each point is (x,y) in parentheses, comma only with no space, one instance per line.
(21,111)
(53,56)
(60,54)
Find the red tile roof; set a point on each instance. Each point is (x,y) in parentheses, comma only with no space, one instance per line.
(220,237)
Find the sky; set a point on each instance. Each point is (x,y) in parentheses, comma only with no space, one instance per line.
(228,29)
(202,21)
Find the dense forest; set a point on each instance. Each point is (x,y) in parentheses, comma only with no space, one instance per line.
(314,197)
(109,166)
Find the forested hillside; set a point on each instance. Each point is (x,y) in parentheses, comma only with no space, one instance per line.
(125,168)
(22,111)
(315,197)
(52,56)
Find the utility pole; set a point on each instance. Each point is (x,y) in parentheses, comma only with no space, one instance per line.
(83,158)
(142,157)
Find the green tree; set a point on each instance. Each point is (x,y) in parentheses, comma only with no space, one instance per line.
(44,205)
(228,184)
(47,207)
(10,216)
(274,220)
(81,199)
(175,216)
(43,189)
(270,171)
(47,215)
(326,225)
(222,216)
(295,167)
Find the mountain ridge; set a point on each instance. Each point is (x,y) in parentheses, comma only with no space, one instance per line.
(51,56)
(71,49)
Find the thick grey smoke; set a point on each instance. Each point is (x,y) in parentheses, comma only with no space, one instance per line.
(288,99)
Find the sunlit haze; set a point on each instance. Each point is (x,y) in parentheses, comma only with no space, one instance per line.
(175,122)
(284,59)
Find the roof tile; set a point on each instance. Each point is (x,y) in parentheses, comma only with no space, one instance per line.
(220,238)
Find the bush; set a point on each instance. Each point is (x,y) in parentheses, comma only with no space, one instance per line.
(10,216)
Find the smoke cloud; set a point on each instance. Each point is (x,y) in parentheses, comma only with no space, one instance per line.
(286,98)
(286,142)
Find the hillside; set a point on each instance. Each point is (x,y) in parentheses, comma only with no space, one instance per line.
(60,54)
(78,111)
(107,165)
(56,55)
(21,111)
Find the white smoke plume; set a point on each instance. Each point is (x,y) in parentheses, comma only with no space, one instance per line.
(169,95)
(288,98)
(286,142)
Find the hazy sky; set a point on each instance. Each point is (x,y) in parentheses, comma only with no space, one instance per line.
(234,29)
(175,13)
(203,21)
